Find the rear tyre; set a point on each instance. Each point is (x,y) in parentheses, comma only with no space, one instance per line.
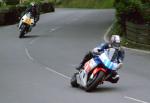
(93,83)
(73,80)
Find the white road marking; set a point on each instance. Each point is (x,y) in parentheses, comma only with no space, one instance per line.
(33,41)
(54,29)
(107,32)
(141,51)
(49,69)
(28,54)
(73,65)
(137,100)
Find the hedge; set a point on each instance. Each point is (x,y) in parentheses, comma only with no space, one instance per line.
(11,2)
(135,11)
(10,15)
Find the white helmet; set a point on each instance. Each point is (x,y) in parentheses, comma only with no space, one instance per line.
(115,40)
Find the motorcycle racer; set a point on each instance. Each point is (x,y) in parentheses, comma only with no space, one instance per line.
(117,57)
(33,8)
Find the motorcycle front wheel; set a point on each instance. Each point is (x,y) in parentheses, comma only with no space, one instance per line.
(22,31)
(73,80)
(93,83)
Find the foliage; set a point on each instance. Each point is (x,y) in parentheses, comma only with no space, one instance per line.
(9,13)
(85,3)
(131,10)
(11,2)
(146,12)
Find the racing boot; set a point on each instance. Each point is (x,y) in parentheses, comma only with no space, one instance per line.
(115,77)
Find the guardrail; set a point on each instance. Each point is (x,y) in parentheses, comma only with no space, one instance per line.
(138,33)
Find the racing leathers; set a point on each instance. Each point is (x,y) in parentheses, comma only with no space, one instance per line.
(117,58)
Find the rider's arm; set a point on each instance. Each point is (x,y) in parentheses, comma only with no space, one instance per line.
(101,48)
(109,64)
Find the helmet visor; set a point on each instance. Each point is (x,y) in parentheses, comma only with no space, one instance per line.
(116,45)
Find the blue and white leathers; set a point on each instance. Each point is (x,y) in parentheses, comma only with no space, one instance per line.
(106,61)
(92,63)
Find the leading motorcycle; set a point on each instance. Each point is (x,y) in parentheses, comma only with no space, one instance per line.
(95,71)
(25,25)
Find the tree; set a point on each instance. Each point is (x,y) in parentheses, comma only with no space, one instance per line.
(11,2)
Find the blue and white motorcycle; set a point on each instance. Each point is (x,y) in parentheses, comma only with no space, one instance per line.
(95,71)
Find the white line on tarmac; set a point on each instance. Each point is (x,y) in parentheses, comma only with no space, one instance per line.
(49,69)
(141,51)
(33,41)
(107,32)
(28,54)
(133,99)
(54,29)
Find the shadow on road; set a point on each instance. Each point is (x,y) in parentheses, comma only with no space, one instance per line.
(31,36)
(103,89)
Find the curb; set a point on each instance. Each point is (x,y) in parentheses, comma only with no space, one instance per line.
(106,39)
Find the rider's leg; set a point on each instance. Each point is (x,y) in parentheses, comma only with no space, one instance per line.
(87,57)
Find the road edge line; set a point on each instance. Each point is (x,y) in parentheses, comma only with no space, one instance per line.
(134,99)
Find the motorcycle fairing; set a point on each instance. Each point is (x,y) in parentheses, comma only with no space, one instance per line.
(106,61)
(27,20)
(96,70)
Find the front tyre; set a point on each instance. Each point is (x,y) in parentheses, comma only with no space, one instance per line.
(93,83)
(22,31)
(73,80)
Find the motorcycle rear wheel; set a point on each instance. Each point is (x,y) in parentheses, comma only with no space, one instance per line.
(92,84)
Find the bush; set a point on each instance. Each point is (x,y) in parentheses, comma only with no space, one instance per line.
(9,14)
(85,3)
(146,12)
(46,7)
(11,2)
(130,10)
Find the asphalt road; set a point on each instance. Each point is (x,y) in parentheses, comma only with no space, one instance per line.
(37,69)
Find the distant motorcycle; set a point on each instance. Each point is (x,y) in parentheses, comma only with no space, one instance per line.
(93,72)
(25,25)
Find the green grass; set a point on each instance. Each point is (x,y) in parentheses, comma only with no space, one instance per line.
(86,3)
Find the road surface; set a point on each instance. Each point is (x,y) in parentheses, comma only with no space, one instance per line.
(37,69)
